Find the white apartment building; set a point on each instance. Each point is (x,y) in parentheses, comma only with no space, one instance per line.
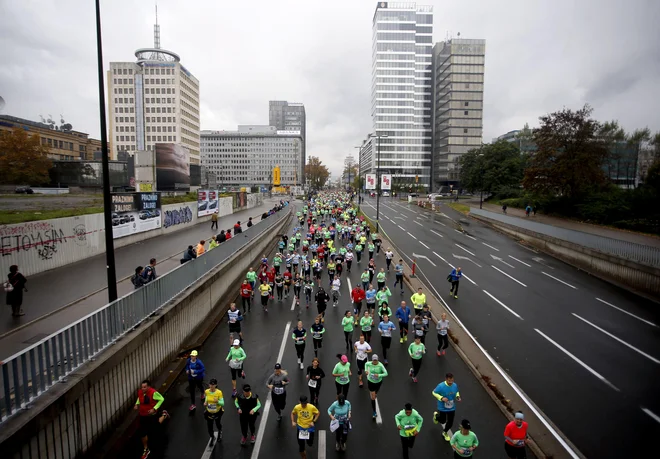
(247,156)
(153,100)
(401,95)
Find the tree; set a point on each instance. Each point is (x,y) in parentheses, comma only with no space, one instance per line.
(316,173)
(569,157)
(655,142)
(349,174)
(525,138)
(613,136)
(23,160)
(491,167)
(358,182)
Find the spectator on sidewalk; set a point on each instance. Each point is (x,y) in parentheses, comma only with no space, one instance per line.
(237,228)
(214,221)
(138,279)
(14,287)
(190,254)
(149,272)
(200,247)
(249,223)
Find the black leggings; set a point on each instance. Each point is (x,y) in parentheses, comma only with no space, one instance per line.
(279,402)
(357,307)
(454,287)
(314,393)
(385,342)
(342,388)
(403,329)
(341,435)
(416,365)
(318,344)
(247,421)
(407,443)
(192,384)
(210,418)
(443,342)
(446,418)
(280,291)
(264,300)
(300,351)
(348,336)
(301,443)
(367,335)
(247,303)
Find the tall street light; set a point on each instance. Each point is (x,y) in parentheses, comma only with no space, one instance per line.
(378,136)
(107,198)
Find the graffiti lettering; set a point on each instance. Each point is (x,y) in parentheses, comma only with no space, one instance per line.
(46,252)
(80,233)
(177,217)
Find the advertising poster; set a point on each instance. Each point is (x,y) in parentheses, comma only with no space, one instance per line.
(386,182)
(207,202)
(371,182)
(172,167)
(135,213)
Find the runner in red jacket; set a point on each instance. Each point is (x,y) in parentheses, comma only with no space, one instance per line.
(270,274)
(357,295)
(246,295)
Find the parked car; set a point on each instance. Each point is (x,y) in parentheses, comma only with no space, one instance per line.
(386,194)
(24,190)
(413,195)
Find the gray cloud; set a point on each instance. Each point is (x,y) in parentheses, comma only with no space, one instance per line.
(541,56)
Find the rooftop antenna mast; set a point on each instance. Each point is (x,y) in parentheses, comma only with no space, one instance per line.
(156,31)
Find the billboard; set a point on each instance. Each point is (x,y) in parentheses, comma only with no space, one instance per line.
(135,213)
(172,167)
(207,202)
(277,178)
(371,182)
(386,182)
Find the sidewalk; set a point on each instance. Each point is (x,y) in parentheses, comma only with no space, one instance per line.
(79,288)
(597,230)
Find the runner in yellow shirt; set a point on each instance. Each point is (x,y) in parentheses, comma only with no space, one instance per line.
(303,417)
(418,300)
(214,403)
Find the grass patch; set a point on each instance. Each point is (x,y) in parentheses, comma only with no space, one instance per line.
(8,217)
(462,208)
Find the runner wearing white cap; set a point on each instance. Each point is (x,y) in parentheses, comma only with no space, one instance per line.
(235,358)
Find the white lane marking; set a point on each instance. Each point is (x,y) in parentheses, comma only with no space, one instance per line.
(377,216)
(461,247)
(350,287)
(494,248)
(401,227)
(584,365)
(293,303)
(420,218)
(559,280)
(467,235)
(415,221)
(443,224)
(529,266)
(503,305)
(269,402)
(453,267)
(626,312)
(655,417)
(209,448)
(502,261)
(437,234)
(379,418)
(459,232)
(630,346)
(424,257)
(424,245)
(410,234)
(510,277)
(322,446)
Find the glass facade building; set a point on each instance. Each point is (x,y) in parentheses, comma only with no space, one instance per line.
(458,95)
(401,92)
(290,116)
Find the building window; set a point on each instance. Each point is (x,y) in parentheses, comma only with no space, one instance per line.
(465,112)
(464,131)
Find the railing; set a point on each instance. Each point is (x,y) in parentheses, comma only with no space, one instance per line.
(29,373)
(643,254)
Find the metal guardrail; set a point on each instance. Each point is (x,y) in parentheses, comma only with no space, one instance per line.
(643,254)
(28,374)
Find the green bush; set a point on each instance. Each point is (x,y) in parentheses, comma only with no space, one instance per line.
(644,225)
(507,192)
(519,203)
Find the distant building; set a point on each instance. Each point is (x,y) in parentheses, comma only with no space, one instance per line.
(153,100)
(458,95)
(65,144)
(290,116)
(247,156)
(511,136)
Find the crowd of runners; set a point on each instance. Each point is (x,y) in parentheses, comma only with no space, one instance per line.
(328,240)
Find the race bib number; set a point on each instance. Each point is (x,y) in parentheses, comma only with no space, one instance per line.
(343,379)
(316,335)
(212,406)
(387,333)
(366,328)
(419,332)
(312,383)
(361,355)
(303,434)
(449,405)
(418,353)
(278,390)
(409,430)
(373,377)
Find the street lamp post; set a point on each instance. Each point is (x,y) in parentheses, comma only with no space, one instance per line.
(378,137)
(107,198)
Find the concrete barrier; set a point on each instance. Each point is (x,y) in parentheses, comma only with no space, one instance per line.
(68,421)
(626,273)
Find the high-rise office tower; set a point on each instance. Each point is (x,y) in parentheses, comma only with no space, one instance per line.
(458,95)
(153,100)
(290,116)
(401,92)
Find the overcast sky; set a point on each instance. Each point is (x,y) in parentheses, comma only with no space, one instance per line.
(540,57)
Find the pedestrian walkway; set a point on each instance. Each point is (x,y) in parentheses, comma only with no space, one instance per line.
(598,230)
(66,294)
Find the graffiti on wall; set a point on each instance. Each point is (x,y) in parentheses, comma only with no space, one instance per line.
(178,216)
(42,237)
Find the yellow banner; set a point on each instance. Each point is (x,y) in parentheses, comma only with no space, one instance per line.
(145,187)
(276,176)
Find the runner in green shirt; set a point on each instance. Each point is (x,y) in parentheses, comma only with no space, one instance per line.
(342,374)
(375,372)
(380,278)
(277,261)
(416,350)
(236,357)
(347,324)
(409,423)
(251,277)
(464,441)
(366,323)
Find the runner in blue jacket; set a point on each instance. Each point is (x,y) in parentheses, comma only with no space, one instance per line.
(195,371)
(403,315)
(455,278)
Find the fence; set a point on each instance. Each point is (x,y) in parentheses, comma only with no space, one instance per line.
(639,253)
(31,372)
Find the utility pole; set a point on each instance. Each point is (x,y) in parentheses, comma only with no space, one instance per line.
(107,198)
(378,137)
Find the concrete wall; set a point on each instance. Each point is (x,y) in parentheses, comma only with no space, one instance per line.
(69,419)
(641,278)
(48,244)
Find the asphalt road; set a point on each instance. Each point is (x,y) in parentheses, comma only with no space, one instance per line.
(587,352)
(185,435)
(81,286)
